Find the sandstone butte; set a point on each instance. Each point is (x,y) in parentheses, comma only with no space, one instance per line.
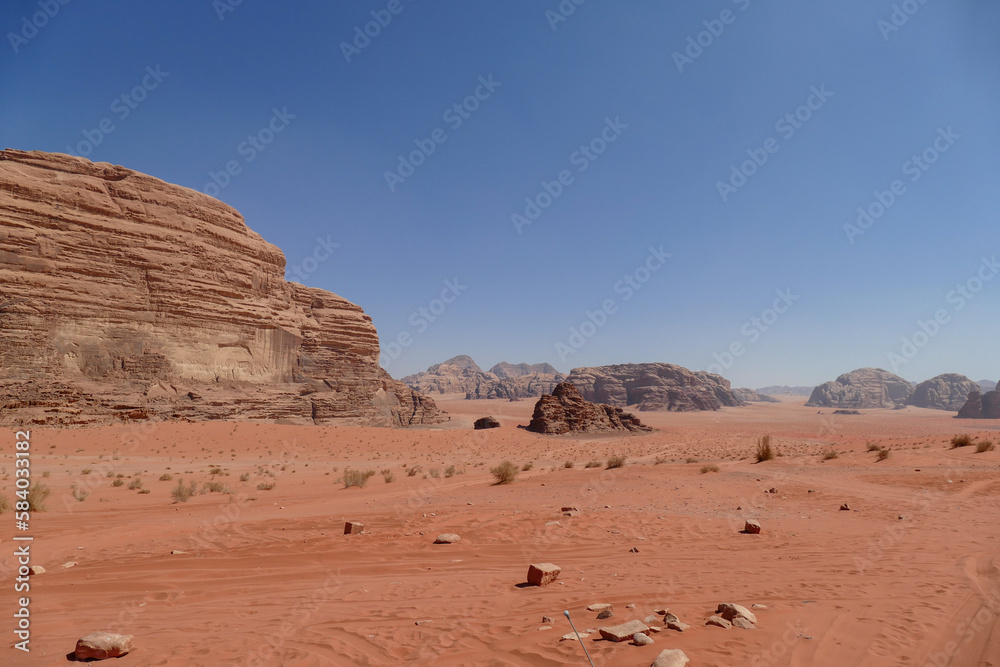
(126,298)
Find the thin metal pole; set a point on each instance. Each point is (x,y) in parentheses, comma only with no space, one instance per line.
(566,613)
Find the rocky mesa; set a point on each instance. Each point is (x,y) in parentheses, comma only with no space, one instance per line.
(654,386)
(123,297)
(566,411)
(462,375)
(947,391)
(861,389)
(981,405)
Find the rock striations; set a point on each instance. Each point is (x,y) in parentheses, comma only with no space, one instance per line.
(654,386)
(861,389)
(461,375)
(123,297)
(566,411)
(944,392)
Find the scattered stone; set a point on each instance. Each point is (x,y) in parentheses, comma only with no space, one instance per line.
(652,618)
(545,627)
(177,552)
(354,528)
(71,563)
(423,622)
(641,639)
(630,606)
(103,645)
(36,569)
(600,606)
(671,657)
(569,509)
(845,508)
(486,422)
(660,612)
(607,613)
(679,626)
(623,632)
(730,611)
(719,621)
(744,624)
(812,490)
(655,628)
(772,490)
(752,527)
(634,550)
(547,620)
(572,636)
(447,538)
(542,574)
(758,606)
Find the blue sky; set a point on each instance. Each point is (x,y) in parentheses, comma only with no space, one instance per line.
(621,101)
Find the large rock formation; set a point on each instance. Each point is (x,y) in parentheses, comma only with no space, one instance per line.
(784,390)
(124,297)
(861,389)
(461,375)
(654,386)
(566,411)
(750,396)
(981,406)
(944,392)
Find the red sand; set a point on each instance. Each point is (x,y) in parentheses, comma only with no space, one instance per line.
(268,578)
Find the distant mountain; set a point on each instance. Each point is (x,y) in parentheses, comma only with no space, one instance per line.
(751,396)
(462,375)
(862,388)
(944,392)
(784,390)
(989,385)
(654,386)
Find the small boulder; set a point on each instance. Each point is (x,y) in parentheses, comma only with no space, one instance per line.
(600,606)
(542,574)
(447,538)
(486,422)
(744,624)
(652,618)
(634,550)
(641,639)
(607,613)
(671,657)
(354,528)
(719,621)
(547,620)
(572,636)
(752,527)
(102,645)
(36,569)
(845,508)
(730,611)
(623,632)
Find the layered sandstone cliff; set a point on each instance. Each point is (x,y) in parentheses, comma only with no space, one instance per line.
(862,389)
(125,297)
(981,405)
(948,391)
(462,375)
(654,386)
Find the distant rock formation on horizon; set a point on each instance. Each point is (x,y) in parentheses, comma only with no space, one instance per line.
(461,375)
(981,405)
(566,411)
(125,298)
(654,386)
(987,385)
(863,388)
(750,396)
(785,390)
(948,391)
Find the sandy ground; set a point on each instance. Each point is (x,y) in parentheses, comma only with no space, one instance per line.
(908,576)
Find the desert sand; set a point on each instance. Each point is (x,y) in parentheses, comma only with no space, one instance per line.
(907,576)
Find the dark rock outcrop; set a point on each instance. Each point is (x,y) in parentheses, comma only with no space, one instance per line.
(981,406)
(654,386)
(126,298)
(461,375)
(944,392)
(863,388)
(566,411)
(486,422)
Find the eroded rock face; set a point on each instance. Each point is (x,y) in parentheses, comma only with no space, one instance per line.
(123,297)
(863,388)
(750,396)
(654,386)
(981,406)
(566,411)
(461,375)
(944,392)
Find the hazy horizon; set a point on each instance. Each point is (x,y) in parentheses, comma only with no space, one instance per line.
(655,183)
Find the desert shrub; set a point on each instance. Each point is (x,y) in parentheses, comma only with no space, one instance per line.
(985,446)
(450,471)
(245,477)
(37,495)
(505,473)
(690,459)
(213,487)
(527,466)
(593,464)
(144,491)
(166,477)
(357,478)
(765,452)
(435,473)
(659,460)
(568,464)
(830,454)
(80,494)
(266,486)
(872,446)
(963,440)
(135,484)
(412,472)
(5,505)
(86,471)
(118,481)
(215,471)
(883,454)
(182,493)
(705,469)
(615,461)
(388,476)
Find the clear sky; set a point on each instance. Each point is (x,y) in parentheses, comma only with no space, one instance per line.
(622,122)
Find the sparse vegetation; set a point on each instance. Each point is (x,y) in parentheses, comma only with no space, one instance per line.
(37,495)
(245,477)
(412,472)
(712,468)
(166,477)
(435,473)
(872,446)
(690,459)
(135,484)
(659,460)
(266,486)
(5,505)
(358,478)
(215,471)
(213,487)
(388,476)
(505,473)
(182,493)
(963,440)
(80,494)
(450,471)
(593,464)
(86,471)
(984,446)
(615,461)
(118,482)
(765,452)
(883,454)
(830,454)
(568,464)
(527,466)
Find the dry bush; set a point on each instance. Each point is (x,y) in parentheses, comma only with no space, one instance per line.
(358,478)
(166,477)
(505,473)
(765,452)
(593,464)
(963,440)
(705,469)
(616,461)
(266,486)
(118,481)
(872,446)
(830,454)
(984,446)
(135,484)
(450,471)
(37,495)
(527,466)
(883,454)
(182,493)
